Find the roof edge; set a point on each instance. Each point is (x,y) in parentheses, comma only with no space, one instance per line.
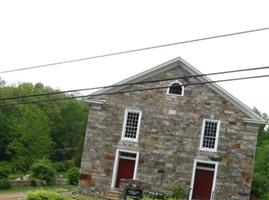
(188,67)
(140,76)
(254,121)
(224,93)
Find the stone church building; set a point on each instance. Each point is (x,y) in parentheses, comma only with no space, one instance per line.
(181,132)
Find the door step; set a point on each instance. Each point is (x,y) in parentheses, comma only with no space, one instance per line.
(112,195)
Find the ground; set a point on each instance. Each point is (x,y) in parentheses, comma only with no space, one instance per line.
(19,193)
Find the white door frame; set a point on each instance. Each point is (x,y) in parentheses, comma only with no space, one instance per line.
(194,172)
(116,165)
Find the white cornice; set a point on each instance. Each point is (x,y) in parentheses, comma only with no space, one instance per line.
(254,121)
(91,101)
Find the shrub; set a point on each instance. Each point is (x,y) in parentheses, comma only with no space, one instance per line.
(5,169)
(45,195)
(43,169)
(178,193)
(59,166)
(69,164)
(5,184)
(73,175)
(154,195)
(265,197)
(260,184)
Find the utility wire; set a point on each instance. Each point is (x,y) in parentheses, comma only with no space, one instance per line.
(134,50)
(136,90)
(135,83)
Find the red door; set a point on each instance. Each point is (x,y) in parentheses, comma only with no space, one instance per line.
(202,184)
(125,170)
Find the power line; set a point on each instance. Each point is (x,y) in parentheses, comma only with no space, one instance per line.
(135,50)
(136,90)
(135,83)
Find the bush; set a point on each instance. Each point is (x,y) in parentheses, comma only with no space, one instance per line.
(265,197)
(45,195)
(43,169)
(5,184)
(5,169)
(59,166)
(154,195)
(73,175)
(178,193)
(69,164)
(260,184)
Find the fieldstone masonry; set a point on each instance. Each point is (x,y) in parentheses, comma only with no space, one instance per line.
(169,139)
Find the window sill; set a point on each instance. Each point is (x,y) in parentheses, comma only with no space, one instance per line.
(208,150)
(129,140)
(176,95)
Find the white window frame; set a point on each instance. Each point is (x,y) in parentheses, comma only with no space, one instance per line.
(182,87)
(217,136)
(194,172)
(124,125)
(116,165)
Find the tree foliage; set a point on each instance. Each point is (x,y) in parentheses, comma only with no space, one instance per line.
(33,130)
(260,183)
(43,169)
(53,129)
(73,175)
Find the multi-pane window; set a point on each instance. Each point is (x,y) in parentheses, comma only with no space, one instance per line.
(131,125)
(210,134)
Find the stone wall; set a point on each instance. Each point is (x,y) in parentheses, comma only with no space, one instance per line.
(169,139)
(38,182)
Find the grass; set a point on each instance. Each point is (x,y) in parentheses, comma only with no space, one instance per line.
(32,188)
(58,189)
(86,197)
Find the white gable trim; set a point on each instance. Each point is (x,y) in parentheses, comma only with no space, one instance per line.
(225,94)
(182,63)
(139,77)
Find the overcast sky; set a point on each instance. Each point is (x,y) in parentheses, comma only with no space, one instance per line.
(40,32)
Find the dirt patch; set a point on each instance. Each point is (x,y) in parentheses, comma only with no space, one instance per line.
(13,196)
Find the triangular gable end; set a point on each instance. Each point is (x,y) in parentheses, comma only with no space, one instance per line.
(254,118)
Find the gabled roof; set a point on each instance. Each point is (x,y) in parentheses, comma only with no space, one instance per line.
(253,117)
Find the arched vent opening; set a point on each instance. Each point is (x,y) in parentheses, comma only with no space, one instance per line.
(176,88)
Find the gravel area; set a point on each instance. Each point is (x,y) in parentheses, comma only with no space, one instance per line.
(13,196)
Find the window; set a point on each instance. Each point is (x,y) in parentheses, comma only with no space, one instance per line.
(175,88)
(209,135)
(131,125)
(127,154)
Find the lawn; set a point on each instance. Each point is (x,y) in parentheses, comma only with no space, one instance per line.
(20,192)
(32,188)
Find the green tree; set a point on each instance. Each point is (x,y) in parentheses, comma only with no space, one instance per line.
(33,141)
(73,125)
(53,129)
(260,183)
(5,136)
